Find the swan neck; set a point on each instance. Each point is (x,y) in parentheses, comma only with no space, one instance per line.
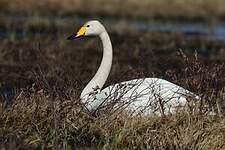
(99,79)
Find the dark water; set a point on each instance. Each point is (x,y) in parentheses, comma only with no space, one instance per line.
(213,32)
(216,32)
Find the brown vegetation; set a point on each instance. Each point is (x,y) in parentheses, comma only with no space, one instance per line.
(46,112)
(180,9)
(41,121)
(42,75)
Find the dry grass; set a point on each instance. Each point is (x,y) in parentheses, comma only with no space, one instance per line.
(181,9)
(48,114)
(38,120)
(50,73)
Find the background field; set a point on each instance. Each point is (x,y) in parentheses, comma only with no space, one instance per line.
(42,74)
(182,9)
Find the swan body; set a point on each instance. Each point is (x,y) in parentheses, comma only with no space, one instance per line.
(138,96)
(141,96)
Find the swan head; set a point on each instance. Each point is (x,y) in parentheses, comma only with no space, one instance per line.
(90,28)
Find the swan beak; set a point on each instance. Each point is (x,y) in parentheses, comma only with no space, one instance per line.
(80,33)
(72,37)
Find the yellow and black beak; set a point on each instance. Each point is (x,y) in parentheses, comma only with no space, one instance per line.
(79,34)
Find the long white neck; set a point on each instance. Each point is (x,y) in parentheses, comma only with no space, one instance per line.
(102,74)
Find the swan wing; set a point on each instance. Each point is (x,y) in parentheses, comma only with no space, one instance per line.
(147,95)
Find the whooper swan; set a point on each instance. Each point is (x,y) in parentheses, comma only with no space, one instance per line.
(139,96)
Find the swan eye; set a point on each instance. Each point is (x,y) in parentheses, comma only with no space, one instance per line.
(88,25)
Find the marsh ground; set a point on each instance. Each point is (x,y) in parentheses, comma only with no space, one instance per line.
(45,74)
(171,9)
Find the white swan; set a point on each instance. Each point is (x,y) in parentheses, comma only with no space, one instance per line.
(138,96)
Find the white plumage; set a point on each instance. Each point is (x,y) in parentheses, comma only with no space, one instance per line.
(139,96)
